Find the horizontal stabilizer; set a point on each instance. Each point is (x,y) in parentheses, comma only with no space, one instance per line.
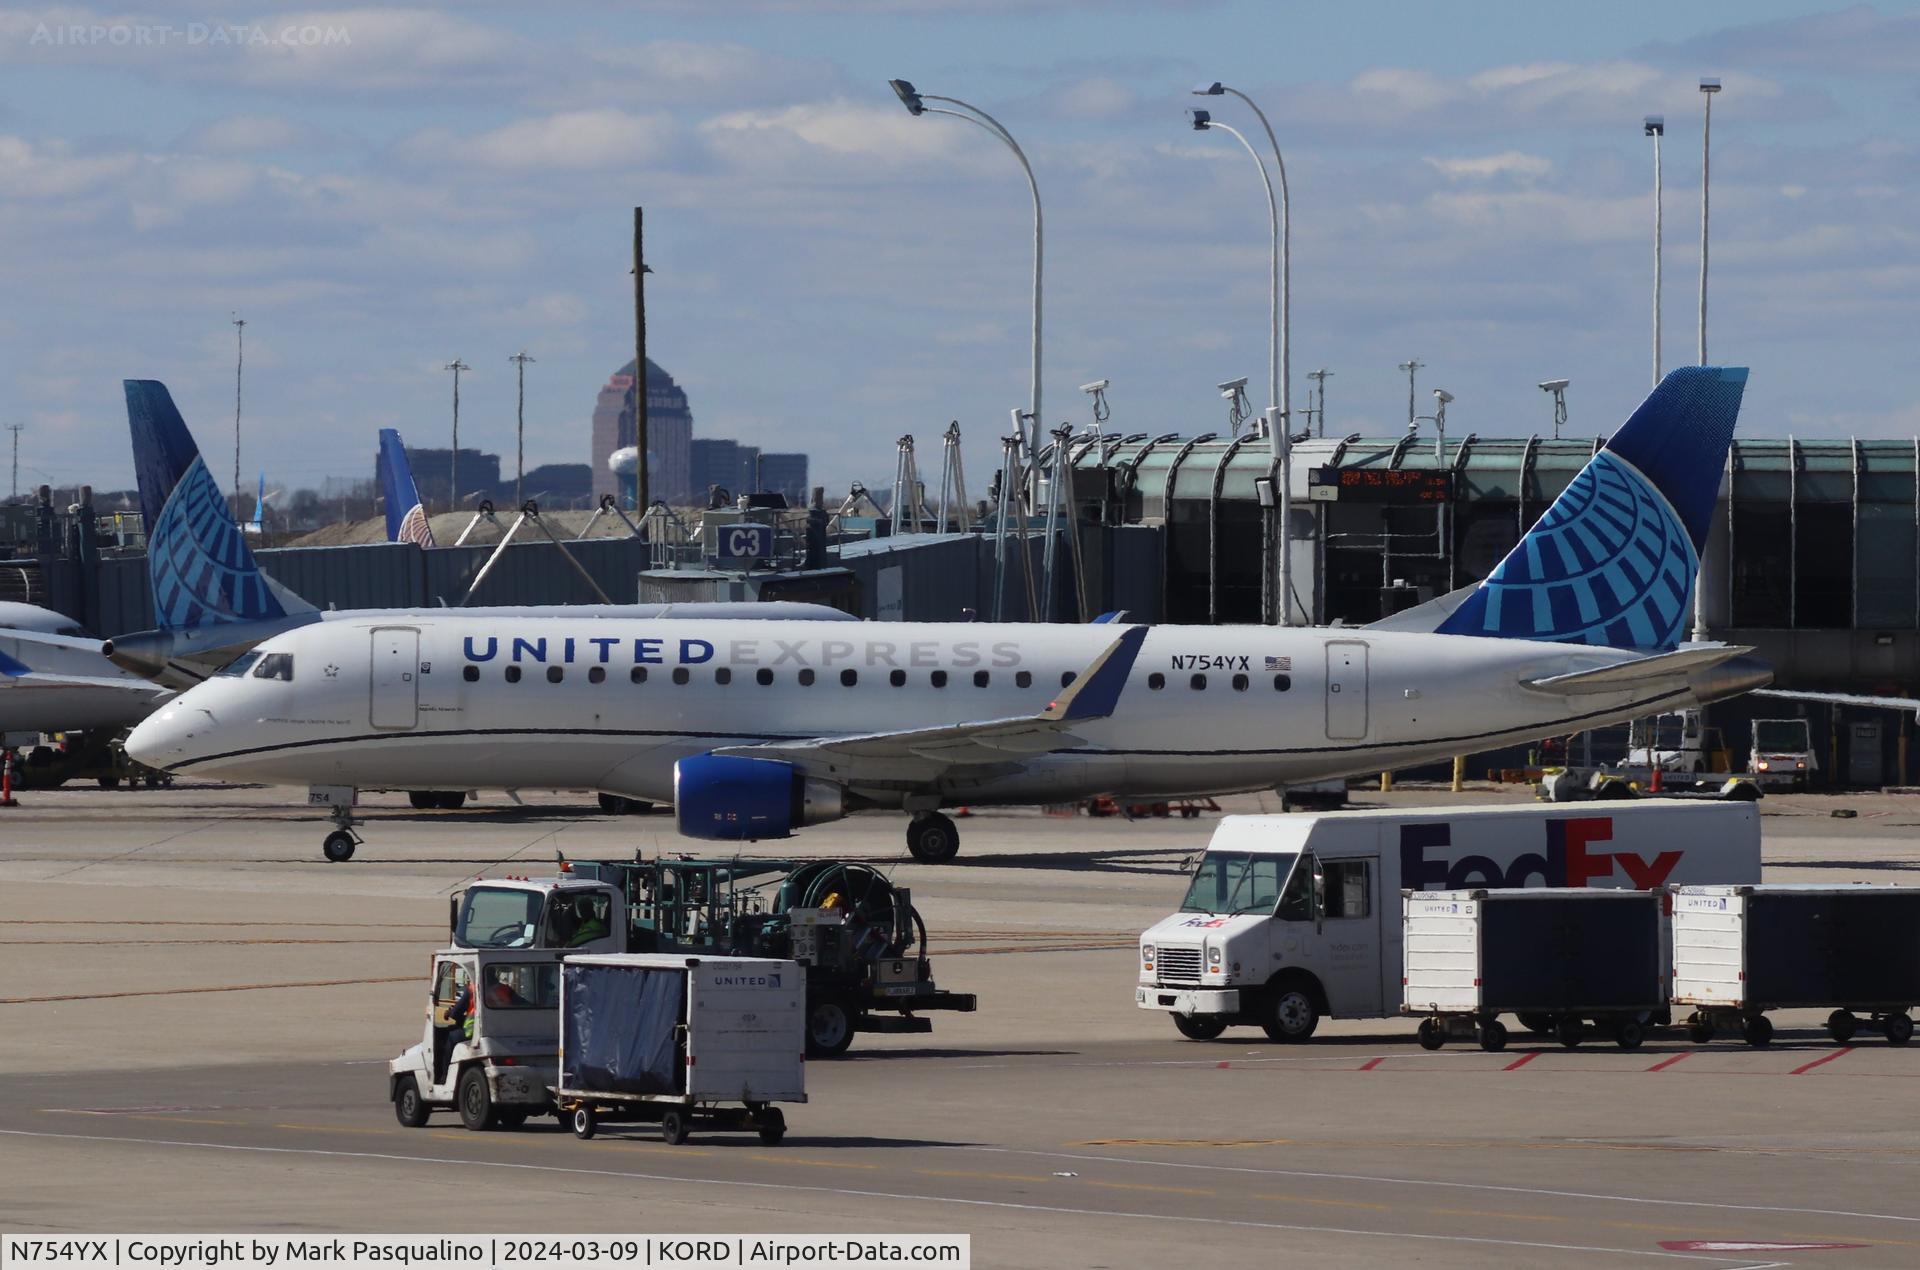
(1629,674)
(1845,699)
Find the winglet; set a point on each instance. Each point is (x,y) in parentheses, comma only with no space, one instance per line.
(13,669)
(1095,692)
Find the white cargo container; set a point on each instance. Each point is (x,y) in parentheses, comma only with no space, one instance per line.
(1739,951)
(712,1041)
(1289,918)
(1558,955)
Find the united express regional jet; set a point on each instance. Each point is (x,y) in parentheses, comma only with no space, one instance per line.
(753,731)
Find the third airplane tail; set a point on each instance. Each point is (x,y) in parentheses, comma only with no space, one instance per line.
(1614,560)
(406,513)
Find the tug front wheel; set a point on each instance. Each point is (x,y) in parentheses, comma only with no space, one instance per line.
(932,838)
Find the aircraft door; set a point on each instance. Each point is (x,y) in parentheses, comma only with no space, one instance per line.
(395,677)
(1346,690)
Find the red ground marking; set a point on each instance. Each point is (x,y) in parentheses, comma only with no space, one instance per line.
(1665,1063)
(1521,1061)
(1843,1051)
(1372,1063)
(1221,1066)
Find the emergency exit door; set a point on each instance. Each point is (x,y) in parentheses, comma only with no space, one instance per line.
(1346,690)
(395,677)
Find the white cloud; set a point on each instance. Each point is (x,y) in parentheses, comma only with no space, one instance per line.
(569,139)
(1510,163)
(1099,97)
(245,134)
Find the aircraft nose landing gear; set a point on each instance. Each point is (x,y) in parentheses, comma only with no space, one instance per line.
(932,838)
(340,843)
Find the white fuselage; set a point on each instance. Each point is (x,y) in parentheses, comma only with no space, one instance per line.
(70,685)
(434,703)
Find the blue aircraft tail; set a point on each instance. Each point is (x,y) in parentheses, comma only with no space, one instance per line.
(203,573)
(406,514)
(1614,560)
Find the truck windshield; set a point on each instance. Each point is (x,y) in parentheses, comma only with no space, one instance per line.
(1237,882)
(497,917)
(1780,735)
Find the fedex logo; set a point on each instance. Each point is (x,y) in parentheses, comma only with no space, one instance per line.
(1569,858)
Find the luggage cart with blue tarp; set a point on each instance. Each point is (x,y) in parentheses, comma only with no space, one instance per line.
(685,1042)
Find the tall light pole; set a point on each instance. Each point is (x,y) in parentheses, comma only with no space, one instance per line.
(1280,399)
(1656,126)
(453,461)
(1440,399)
(520,360)
(1708,87)
(1410,368)
(1320,378)
(916,104)
(1202,121)
(239,361)
(15,429)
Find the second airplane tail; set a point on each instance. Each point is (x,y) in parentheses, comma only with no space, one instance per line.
(406,513)
(1614,560)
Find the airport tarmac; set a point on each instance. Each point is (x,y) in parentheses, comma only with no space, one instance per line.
(196,1013)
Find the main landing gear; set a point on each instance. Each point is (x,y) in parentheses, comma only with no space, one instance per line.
(932,838)
(340,843)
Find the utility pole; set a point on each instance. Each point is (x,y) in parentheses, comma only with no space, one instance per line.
(453,461)
(1320,378)
(520,359)
(1656,127)
(642,491)
(1410,367)
(1708,87)
(15,429)
(239,361)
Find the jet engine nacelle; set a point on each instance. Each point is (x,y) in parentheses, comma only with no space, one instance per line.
(730,798)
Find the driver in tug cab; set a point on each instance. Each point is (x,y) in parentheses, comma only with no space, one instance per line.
(588,924)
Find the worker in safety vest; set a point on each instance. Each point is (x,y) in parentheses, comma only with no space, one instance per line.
(463,1008)
(591,925)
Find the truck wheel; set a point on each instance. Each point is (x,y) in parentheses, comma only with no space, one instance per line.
(422,800)
(586,1122)
(409,1108)
(932,838)
(1200,1027)
(1569,1030)
(453,800)
(1629,1034)
(1841,1025)
(475,1100)
(829,1028)
(108,780)
(1899,1029)
(1758,1030)
(1291,1015)
(1538,1024)
(1493,1036)
(1432,1035)
(509,1119)
(1699,1032)
(338,846)
(673,1127)
(773,1126)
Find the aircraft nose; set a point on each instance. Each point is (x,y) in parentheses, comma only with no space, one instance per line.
(163,738)
(1729,679)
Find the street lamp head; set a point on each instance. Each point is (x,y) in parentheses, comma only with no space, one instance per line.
(1442,396)
(1656,125)
(1215,89)
(1710,84)
(1098,385)
(1554,385)
(1202,119)
(1233,386)
(908,96)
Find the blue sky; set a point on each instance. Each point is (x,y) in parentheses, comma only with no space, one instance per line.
(1470,188)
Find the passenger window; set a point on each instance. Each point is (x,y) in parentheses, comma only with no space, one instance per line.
(275,666)
(848,678)
(1156,681)
(1199,682)
(513,674)
(723,676)
(596,674)
(1067,678)
(1348,893)
(981,678)
(555,674)
(1282,682)
(1239,683)
(638,674)
(898,678)
(763,677)
(680,674)
(1024,679)
(806,678)
(938,678)
(471,674)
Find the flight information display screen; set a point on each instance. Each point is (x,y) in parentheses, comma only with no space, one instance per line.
(1378,485)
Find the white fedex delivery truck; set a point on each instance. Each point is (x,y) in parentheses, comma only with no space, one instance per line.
(1289,918)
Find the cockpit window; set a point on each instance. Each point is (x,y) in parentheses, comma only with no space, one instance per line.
(239,665)
(275,666)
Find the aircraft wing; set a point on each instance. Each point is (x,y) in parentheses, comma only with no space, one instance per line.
(1844,699)
(16,676)
(1627,674)
(919,755)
